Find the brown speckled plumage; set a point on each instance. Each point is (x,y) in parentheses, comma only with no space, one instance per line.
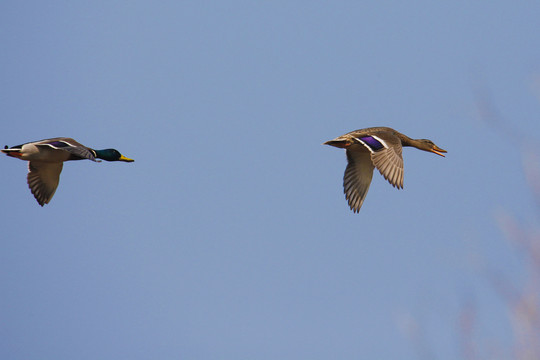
(376,147)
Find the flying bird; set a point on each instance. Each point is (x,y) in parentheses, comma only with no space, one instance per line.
(46,159)
(379,147)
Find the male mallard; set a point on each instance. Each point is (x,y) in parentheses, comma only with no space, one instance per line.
(46,158)
(378,147)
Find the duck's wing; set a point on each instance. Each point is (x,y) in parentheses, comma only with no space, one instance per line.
(77,150)
(43,178)
(357,176)
(386,154)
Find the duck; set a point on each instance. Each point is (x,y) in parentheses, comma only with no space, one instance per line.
(46,159)
(375,147)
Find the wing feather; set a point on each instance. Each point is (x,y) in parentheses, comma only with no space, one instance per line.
(75,148)
(389,160)
(43,179)
(357,178)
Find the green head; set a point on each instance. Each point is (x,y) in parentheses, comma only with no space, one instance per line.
(111,155)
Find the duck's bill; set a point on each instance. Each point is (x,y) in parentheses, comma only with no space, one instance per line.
(126,159)
(437,150)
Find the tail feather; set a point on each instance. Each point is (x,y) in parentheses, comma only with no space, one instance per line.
(338,143)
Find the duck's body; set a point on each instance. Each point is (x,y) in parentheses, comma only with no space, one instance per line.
(376,147)
(46,158)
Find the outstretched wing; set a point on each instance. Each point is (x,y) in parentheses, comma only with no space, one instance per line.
(43,178)
(77,150)
(386,154)
(357,176)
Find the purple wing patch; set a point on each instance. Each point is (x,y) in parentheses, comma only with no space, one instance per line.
(373,143)
(58,144)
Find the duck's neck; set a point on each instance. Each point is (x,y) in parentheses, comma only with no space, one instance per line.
(407,141)
(98,153)
(105,154)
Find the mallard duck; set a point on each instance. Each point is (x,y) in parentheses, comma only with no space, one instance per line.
(46,159)
(378,147)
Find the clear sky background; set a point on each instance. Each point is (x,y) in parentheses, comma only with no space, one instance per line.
(229,237)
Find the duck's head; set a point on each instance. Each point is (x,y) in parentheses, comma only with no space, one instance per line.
(111,155)
(428,145)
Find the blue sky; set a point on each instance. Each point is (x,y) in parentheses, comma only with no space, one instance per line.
(229,236)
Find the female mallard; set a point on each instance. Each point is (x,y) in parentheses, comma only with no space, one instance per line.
(378,147)
(46,158)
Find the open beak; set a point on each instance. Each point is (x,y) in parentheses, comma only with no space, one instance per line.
(437,150)
(123,158)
